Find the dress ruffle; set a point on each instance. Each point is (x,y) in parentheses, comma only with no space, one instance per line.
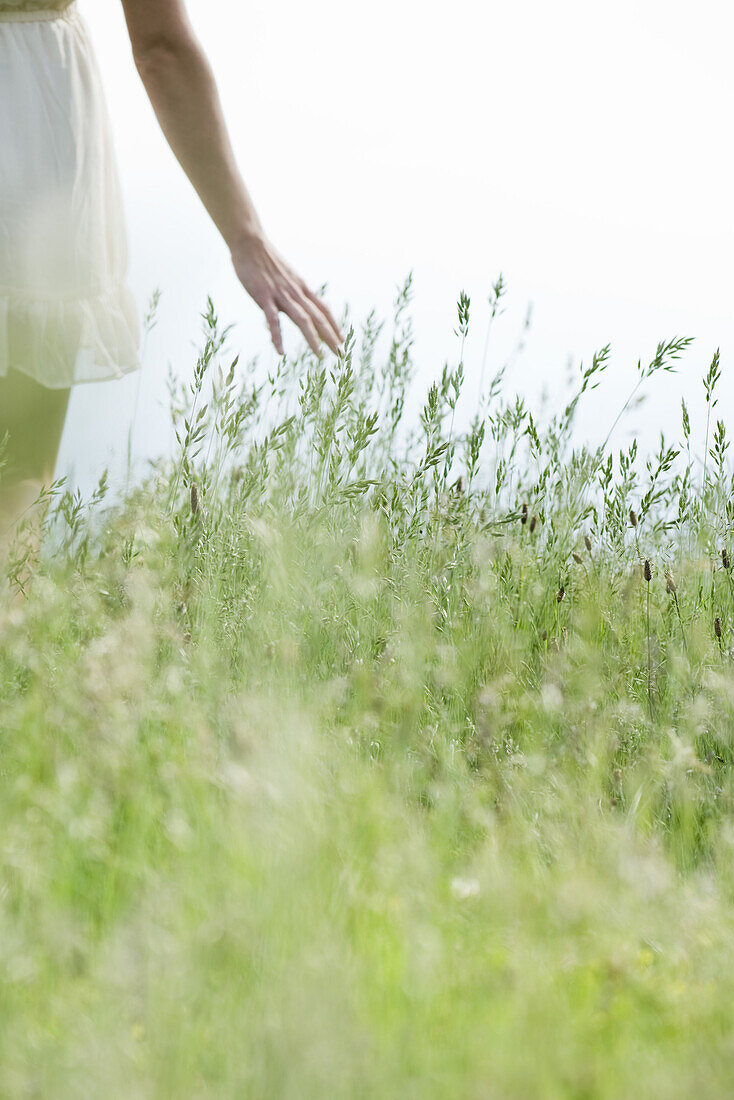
(66,313)
(61,342)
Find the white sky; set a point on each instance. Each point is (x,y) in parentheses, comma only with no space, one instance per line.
(582,149)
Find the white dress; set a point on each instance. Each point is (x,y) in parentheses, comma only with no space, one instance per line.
(66,313)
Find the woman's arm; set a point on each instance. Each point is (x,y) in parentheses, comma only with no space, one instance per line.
(182,89)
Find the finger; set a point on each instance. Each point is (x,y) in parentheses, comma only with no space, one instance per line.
(314,298)
(322,325)
(301,318)
(271,313)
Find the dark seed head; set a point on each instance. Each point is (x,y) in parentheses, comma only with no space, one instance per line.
(544,636)
(577,558)
(717,627)
(560,593)
(194,499)
(633,517)
(533,523)
(587,542)
(725,559)
(647,570)
(524,516)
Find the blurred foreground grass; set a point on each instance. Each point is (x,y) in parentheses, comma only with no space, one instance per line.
(349,759)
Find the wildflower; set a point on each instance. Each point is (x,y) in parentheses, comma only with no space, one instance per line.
(551,697)
(465,888)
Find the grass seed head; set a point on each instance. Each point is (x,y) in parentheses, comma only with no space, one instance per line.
(577,558)
(587,543)
(717,627)
(633,517)
(194,499)
(647,570)
(725,560)
(524,516)
(560,594)
(533,523)
(670,583)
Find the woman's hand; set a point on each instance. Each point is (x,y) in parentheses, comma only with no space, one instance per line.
(276,288)
(181,86)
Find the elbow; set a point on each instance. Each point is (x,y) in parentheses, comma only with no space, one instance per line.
(154,57)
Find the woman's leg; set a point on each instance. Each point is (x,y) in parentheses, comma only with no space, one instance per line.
(33,417)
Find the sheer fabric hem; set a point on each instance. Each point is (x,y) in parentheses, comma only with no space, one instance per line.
(61,342)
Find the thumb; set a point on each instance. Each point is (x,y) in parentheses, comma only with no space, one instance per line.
(273,318)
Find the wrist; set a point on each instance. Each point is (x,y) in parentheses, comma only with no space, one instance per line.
(246,239)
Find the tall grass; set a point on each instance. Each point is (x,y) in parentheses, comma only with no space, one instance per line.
(358,755)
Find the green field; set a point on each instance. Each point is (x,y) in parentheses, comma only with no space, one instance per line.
(351,754)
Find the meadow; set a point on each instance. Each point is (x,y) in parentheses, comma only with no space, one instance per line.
(353,754)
